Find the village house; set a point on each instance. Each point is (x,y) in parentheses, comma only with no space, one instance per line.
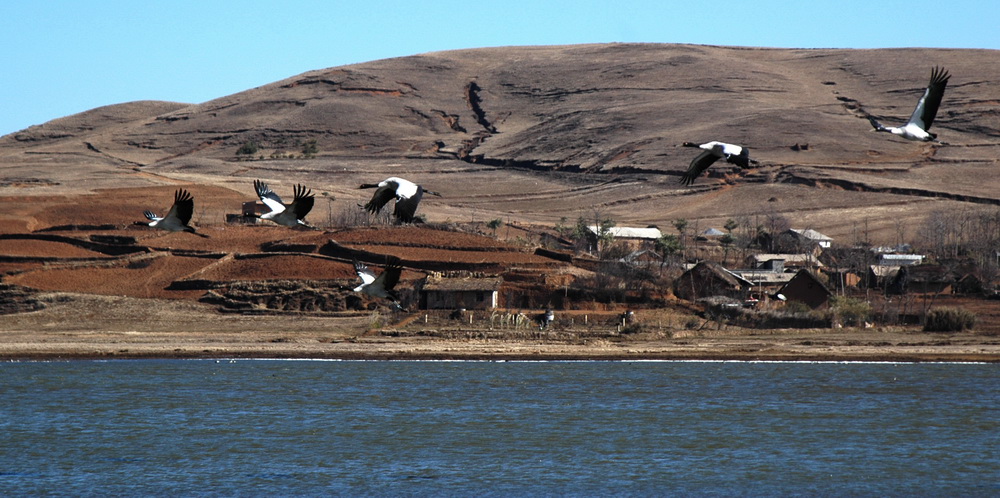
(969,284)
(808,236)
(883,273)
(899,259)
(770,272)
(843,278)
(880,276)
(707,279)
(764,280)
(466,291)
(922,279)
(634,238)
(897,249)
(783,262)
(643,258)
(847,257)
(806,288)
(847,266)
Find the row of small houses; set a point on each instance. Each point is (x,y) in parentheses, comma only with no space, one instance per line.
(810,278)
(645,238)
(707,279)
(797,277)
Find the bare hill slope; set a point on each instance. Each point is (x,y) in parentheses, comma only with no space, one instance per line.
(540,133)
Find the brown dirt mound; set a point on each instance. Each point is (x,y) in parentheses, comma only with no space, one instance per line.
(147,278)
(278,267)
(44,248)
(503,258)
(17,267)
(414,236)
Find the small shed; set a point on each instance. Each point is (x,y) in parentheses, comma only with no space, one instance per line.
(806,288)
(249,215)
(454,292)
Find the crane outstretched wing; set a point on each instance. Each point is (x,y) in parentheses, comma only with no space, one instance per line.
(927,108)
(183,207)
(381,197)
(303,202)
(268,197)
(698,165)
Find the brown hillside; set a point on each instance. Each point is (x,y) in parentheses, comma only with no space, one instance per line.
(540,133)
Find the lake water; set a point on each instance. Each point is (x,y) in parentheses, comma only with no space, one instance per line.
(259,427)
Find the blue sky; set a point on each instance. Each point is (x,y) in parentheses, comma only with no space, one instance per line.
(64,57)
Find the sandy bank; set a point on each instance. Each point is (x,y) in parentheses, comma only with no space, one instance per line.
(94,327)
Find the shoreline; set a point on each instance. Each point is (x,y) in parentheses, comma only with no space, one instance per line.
(721,359)
(99,328)
(714,349)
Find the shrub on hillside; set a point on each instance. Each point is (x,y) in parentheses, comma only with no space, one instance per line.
(949,320)
(248,149)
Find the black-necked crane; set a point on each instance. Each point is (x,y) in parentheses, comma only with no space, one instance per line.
(713,151)
(545,319)
(406,193)
(382,285)
(178,217)
(292,215)
(919,125)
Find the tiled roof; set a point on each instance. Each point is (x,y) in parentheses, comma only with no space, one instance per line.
(630,233)
(463,284)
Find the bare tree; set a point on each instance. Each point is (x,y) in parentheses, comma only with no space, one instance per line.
(775,224)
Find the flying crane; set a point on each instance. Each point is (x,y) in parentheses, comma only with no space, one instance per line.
(382,285)
(293,215)
(713,151)
(919,125)
(178,217)
(406,193)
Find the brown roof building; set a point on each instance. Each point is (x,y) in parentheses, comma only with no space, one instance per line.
(707,279)
(454,292)
(806,288)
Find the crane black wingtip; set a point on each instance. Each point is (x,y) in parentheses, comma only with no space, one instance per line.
(939,74)
(261,188)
